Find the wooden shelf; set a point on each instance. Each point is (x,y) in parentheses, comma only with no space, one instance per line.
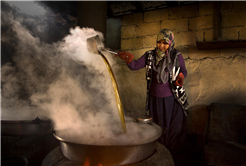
(208,45)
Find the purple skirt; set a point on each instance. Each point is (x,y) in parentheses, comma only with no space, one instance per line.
(167,113)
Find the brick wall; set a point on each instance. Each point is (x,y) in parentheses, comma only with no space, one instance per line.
(213,75)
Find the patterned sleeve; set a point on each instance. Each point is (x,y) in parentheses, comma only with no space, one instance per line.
(138,64)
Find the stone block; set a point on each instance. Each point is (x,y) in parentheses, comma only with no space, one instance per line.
(138,53)
(208,34)
(229,33)
(134,43)
(148,29)
(203,22)
(195,53)
(128,31)
(209,7)
(156,15)
(149,41)
(233,19)
(183,11)
(183,50)
(217,80)
(175,25)
(242,33)
(206,8)
(130,19)
(188,38)
(238,6)
(226,7)
(231,52)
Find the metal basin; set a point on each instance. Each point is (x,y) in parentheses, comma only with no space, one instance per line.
(26,128)
(109,154)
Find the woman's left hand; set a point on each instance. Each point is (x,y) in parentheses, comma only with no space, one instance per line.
(179,80)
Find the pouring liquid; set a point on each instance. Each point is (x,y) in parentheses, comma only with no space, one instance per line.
(116,90)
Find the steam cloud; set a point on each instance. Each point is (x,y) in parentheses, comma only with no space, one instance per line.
(63,82)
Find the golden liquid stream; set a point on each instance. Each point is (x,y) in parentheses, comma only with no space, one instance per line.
(116,90)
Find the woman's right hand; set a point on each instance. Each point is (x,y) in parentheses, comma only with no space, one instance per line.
(125,56)
(179,80)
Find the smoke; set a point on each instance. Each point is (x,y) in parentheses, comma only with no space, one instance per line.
(63,82)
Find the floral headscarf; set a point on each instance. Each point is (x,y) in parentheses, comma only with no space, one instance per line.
(167,35)
(163,61)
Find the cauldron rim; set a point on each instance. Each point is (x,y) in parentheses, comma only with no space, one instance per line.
(26,128)
(21,121)
(146,141)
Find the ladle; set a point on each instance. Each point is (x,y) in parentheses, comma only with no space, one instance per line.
(95,45)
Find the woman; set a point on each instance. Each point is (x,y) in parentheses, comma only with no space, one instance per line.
(166,99)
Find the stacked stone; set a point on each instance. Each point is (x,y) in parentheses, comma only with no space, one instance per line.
(217,75)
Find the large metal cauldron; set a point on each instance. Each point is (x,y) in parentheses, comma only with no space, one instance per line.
(110,154)
(26,128)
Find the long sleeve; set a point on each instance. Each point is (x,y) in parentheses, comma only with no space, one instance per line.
(137,64)
(182,65)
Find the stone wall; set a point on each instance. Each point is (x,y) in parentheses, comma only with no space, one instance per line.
(216,75)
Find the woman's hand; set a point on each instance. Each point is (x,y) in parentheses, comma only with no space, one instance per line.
(125,56)
(179,80)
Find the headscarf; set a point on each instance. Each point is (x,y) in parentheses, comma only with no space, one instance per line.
(162,59)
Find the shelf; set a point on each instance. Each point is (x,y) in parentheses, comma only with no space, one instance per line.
(208,45)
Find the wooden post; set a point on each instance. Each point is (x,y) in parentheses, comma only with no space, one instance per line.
(93,14)
(217,21)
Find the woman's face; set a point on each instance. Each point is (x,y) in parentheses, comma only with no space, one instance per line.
(162,45)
